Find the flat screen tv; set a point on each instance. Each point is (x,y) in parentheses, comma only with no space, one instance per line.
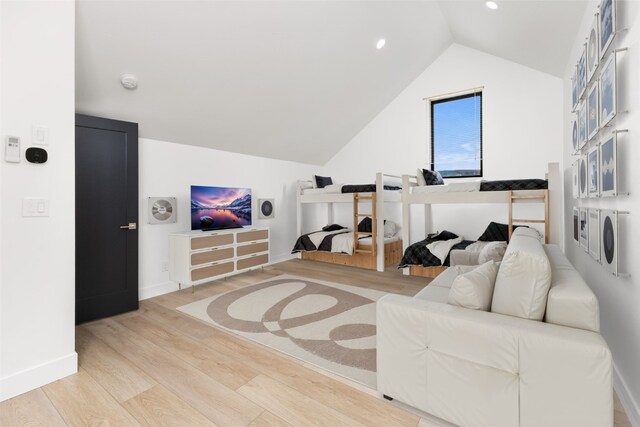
(215,208)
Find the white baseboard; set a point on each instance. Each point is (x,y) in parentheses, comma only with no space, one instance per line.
(155,290)
(282,258)
(37,376)
(629,404)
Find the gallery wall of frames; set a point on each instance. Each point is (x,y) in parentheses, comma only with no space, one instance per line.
(595,140)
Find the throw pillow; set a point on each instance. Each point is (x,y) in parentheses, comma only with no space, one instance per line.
(497,232)
(332,227)
(322,181)
(474,290)
(365,225)
(389,228)
(432,177)
(492,251)
(420,178)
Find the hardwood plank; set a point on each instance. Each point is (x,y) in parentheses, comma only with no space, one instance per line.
(290,405)
(83,402)
(117,375)
(227,370)
(217,402)
(267,419)
(159,407)
(29,409)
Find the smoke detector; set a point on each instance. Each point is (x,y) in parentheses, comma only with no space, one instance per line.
(129,81)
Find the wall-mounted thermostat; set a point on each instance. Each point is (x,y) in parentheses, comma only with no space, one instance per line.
(12,149)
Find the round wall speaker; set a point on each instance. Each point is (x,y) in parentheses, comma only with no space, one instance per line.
(266,208)
(162,210)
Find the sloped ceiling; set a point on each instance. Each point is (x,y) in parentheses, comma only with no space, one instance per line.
(292,80)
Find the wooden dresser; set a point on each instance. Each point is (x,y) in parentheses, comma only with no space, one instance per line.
(197,257)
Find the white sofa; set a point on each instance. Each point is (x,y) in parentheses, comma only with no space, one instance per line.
(478,368)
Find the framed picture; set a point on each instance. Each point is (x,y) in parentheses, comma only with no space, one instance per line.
(582,125)
(582,73)
(593,109)
(593,53)
(607,16)
(582,176)
(584,228)
(574,133)
(594,234)
(608,167)
(608,97)
(576,186)
(574,90)
(594,172)
(576,225)
(609,241)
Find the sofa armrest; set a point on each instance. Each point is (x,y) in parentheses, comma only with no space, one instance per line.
(475,367)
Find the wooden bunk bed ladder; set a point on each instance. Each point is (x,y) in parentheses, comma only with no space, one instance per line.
(514,197)
(357,198)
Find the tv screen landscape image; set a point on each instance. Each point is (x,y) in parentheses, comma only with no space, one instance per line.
(214,208)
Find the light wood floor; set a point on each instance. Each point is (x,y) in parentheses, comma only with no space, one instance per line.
(157,367)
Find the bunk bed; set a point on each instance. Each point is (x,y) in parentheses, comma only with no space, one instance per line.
(371,250)
(547,192)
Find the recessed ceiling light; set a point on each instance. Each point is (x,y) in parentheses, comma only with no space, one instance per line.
(129,81)
(380,43)
(492,5)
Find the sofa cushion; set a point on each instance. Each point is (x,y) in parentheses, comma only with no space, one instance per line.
(570,302)
(492,251)
(523,280)
(526,231)
(474,290)
(434,294)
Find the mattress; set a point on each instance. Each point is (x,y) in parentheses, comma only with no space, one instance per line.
(367,240)
(339,189)
(473,186)
(458,187)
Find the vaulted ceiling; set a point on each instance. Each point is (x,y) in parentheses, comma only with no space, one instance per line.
(292,80)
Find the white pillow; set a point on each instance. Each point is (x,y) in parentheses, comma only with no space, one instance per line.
(476,247)
(527,231)
(421,180)
(474,290)
(389,228)
(492,251)
(523,280)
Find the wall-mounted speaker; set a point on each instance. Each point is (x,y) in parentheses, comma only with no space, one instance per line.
(266,208)
(162,210)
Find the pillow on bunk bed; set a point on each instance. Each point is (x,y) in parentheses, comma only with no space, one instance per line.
(432,177)
(365,225)
(497,232)
(474,290)
(492,251)
(390,229)
(442,235)
(321,181)
(420,178)
(333,227)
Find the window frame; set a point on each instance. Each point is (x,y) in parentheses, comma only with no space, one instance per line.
(456,98)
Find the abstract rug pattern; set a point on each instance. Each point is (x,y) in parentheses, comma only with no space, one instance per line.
(326,324)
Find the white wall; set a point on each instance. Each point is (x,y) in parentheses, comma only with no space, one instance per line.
(37,302)
(169,169)
(619,298)
(522,132)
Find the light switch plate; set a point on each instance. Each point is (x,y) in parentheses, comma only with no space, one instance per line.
(35,207)
(40,135)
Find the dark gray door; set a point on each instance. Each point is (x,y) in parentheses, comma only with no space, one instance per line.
(106,217)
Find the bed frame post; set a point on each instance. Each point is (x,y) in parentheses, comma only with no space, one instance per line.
(379,215)
(298,213)
(554,206)
(406,217)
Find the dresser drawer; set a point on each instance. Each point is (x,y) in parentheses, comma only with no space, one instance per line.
(252,261)
(250,236)
(211,256)
(211,241)
(253,248)
(211,271)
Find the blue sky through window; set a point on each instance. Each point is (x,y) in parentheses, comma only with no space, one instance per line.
(457,136)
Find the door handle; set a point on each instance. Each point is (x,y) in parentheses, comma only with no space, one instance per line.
(130,226)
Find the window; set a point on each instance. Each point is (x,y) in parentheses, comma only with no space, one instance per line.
(456,136)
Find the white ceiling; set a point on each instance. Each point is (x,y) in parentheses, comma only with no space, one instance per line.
(292,80)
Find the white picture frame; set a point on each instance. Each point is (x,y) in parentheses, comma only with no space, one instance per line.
(607,24)
(574,89)
(584,228)
(582,72)
(576,186)
(574,133)
(582,125)
(594,233)
(609,241)
(593,51)
(593,110)
(576,226)
(609,167)
(583,177)
(593,168)
(608,92)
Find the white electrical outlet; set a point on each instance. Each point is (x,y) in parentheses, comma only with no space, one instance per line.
(165,266)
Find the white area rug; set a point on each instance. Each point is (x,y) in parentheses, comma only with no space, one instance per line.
(326,324)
